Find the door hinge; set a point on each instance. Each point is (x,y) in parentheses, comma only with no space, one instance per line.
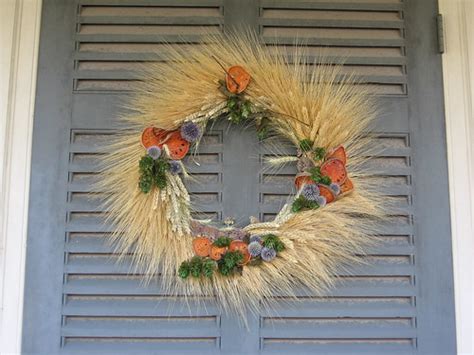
(440,29)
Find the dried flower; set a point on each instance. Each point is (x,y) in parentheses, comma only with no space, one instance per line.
(253,219)
(154,152)
(304,164)
(321,200)
(335,188)
(229,221)
(190,131)
(310,192)
(209,231)
(254,248)
(196,228)
(175,167)
(237,234)
(268,254)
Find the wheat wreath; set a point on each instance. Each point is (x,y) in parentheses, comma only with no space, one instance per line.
(323,228)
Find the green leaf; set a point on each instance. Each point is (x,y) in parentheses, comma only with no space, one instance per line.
(246,109)
(306,145)
(326,180)
(222,242)
(145,183)
(184,270)
(208,267)
(146,164)
(195,266)
(274,242)
(234,117)
(161,166)
(318,178)
(232,103)
(262,133)
(301,203)
(319,153)
(160,181)
(245,113)
(230,262)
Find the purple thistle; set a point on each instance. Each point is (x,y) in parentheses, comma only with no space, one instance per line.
(321,200)
(254,249)
(154,152)
(255,238)
(175,167)
(268,254)
(310,192)
(335,188)
(190,131)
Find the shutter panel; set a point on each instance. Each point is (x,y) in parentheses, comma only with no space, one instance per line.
(373,307)
(79,299)
(369,34)
(106,307)
(113,37)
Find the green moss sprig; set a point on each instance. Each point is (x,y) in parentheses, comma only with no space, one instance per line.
(306,145)
(229,263)
(222,242)
(318,178)
(302,203)
(152,173)
(263,128)
(239,108)
(197,267)
(319,153)
(274,242)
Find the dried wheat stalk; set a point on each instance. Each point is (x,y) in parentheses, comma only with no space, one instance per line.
(306,101)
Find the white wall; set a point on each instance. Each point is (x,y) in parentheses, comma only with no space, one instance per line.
(458,72)
(19,31)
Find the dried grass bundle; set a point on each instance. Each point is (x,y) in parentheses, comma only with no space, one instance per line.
(306,100)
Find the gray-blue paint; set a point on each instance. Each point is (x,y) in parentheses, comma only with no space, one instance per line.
(74,290)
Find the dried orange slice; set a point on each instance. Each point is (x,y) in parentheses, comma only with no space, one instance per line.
(335,169)
(326,192)
(347,186)
(338,153)
(238,245)
(300,180)
(237,79)
(178,147)
(149,138)
(201,246)
(160,133)
(217,252)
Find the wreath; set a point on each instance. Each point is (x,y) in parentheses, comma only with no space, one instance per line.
(322,230)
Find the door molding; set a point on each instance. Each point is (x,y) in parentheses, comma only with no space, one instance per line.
(458,78)
(19,29)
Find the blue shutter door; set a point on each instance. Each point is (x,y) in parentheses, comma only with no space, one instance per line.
(78,299)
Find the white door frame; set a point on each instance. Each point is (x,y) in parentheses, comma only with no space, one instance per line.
(458,78)
(19,31)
